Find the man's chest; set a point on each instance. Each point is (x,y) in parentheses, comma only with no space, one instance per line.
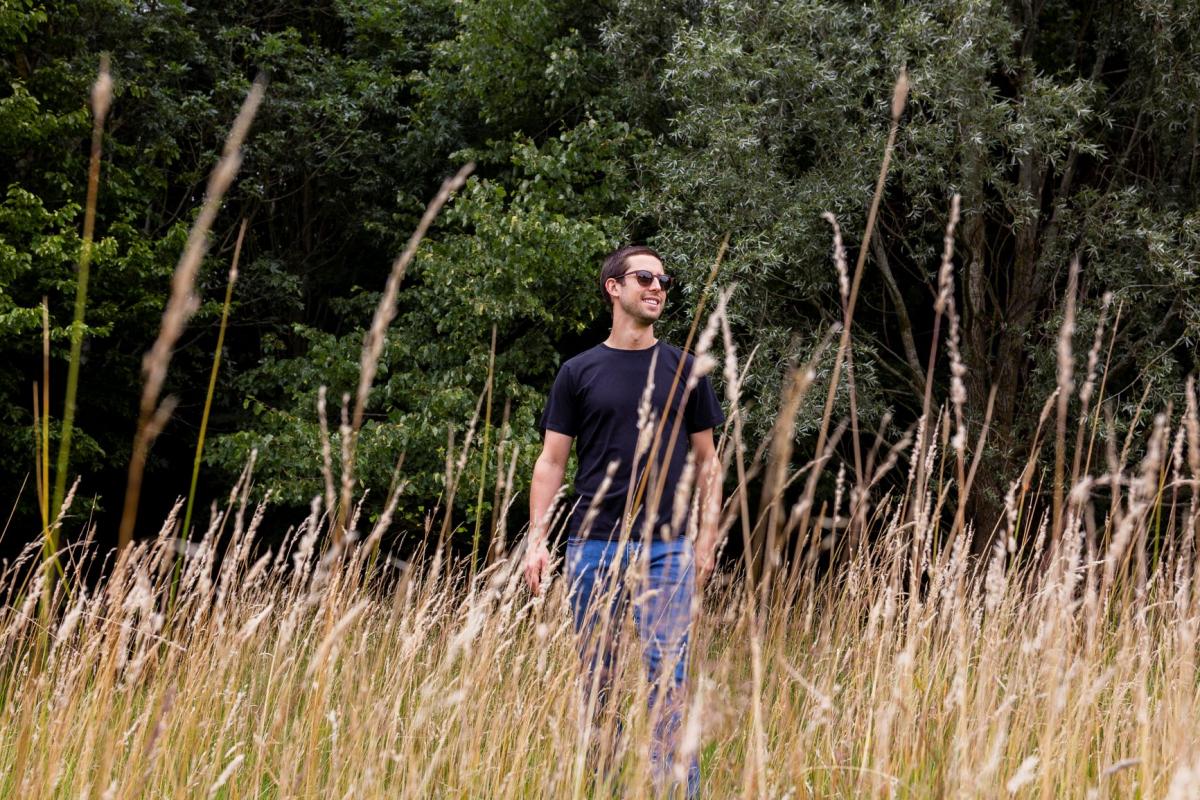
(628,393)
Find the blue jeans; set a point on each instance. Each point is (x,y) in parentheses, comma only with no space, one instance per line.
(605,578)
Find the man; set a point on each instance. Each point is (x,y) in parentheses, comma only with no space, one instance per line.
(627,520)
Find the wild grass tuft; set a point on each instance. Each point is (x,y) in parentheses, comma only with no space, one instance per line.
(298,670)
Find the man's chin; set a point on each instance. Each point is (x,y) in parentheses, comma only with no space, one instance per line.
(643,315)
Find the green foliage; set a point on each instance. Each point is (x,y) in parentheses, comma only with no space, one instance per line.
(515,88)
(1067,131)
(521,259)
(1057,129)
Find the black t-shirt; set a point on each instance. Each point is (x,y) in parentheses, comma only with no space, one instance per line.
(595,399)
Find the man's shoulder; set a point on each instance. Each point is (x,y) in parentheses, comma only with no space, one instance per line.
(670,355)
(584,359)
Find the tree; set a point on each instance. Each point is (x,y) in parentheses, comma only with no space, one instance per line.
(1068,130)
(1053,123)
(518,92)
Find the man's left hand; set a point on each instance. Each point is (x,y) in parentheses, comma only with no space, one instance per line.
(705,562)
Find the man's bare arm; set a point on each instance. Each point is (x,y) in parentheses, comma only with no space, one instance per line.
(548,474)
(708,468)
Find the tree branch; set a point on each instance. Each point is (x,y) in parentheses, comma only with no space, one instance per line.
(906,334)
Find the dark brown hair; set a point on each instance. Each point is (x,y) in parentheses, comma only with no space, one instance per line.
(615,265)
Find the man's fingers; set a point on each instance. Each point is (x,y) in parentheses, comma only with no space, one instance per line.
(533,576)
(535,568)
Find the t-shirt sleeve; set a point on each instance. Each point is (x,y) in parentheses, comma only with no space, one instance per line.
(703,410)
(561,414)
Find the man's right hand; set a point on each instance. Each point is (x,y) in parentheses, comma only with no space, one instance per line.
(547,479)
(537,558)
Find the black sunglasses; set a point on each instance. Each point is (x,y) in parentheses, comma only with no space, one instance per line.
(645,278)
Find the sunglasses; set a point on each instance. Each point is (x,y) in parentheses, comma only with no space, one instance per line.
(645,278)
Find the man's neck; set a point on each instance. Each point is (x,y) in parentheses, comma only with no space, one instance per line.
(630,337)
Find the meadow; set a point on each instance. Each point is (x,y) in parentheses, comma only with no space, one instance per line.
(906,669)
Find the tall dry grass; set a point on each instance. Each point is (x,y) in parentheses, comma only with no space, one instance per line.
(878,657)
(302,671)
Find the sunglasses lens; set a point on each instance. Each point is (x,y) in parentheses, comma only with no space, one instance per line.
(645,279)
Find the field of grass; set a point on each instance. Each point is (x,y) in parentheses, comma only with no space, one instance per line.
(908,670)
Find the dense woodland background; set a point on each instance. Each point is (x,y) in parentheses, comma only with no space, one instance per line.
(1069,128)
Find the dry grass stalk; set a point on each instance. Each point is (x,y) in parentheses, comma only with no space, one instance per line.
(181,304)
(899,100)
(212,379)
(1066,385)
(376,335)
(101,100)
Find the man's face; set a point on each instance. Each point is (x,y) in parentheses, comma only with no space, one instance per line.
(642,303)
